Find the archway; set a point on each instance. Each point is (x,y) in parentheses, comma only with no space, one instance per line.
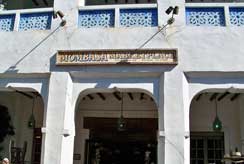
(25,108)
(216,126)
(99,136)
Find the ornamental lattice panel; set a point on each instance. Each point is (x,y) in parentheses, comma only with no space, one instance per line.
(7,22)
(96,18)
(35,21)
(205,16)
(138,17)
(237,16)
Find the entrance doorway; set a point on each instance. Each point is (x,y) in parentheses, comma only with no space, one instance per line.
(99,137)
(137,144)
(215,125)
(24,111)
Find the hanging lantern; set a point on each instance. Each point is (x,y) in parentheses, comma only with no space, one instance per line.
(121,124)
(217,124)
(32,121)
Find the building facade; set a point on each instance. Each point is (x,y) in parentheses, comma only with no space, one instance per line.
(167,79)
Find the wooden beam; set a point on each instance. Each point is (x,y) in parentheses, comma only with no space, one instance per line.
(235,96)
(90,96)
(213,96)
(223,96)
(35,2)
(101,96)
(20,92)
(45,2)
(142,96)
(117,96)
(199,96)
(131,96)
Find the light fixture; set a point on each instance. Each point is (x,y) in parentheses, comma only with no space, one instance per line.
(121,124)
(217,124)
(169,10)
(174,9)
(32,121)
(59,14)
(171,21)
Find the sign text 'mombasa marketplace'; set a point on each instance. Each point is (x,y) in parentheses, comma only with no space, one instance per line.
(108,57)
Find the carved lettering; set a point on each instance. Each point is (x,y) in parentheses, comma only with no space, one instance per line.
(116,57)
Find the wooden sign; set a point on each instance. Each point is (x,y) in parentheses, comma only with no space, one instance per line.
(98,57)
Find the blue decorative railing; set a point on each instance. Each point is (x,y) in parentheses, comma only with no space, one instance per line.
(7,22)
(237,16)
(147,17)
(35,21)
(96,18)
(205,16)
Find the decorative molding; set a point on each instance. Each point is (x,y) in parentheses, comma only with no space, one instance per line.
(203,16)
(106,57)
(147,17)
(96,18)
(7,22)
(35,21)
(237,16)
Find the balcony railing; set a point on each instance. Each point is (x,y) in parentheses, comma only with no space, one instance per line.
(217,15)
(205,16)
(7,22)
(23,20)
(118,16)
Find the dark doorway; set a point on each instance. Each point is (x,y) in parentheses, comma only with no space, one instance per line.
(136,145)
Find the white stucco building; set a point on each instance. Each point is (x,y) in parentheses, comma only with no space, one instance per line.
(191,73)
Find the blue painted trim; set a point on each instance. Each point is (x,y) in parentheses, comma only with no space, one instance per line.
(147,17)
(96,18)
(35,21)
(10,22)
(204,21)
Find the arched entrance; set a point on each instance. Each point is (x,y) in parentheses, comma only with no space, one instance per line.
(116,127)
(25,111)
(215,126)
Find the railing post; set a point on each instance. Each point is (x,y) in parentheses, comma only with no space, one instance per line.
(227,15)
(117,17)
(16,21)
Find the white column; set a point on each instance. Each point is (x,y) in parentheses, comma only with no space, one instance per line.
(241,100)
(161,137)
(174,117)
(59,130)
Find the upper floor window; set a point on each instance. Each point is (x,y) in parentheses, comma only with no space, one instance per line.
(24,4)
(113,2)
